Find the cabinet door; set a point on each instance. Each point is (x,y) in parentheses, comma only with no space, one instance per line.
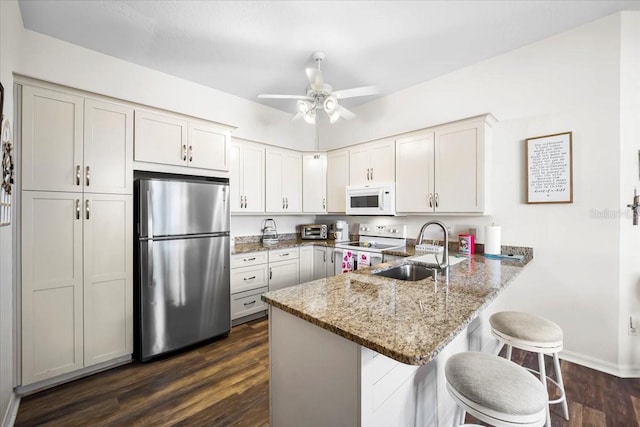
(314,183)
(51,140)
(382,161)
(319,262)
(108,148)
(331,262)
(248,278)
(283,274)
(160,139)
(253,178)
(208,147)
(235,177)
(292,181)
(108,277)
(52,337)
(414,174)
(337,180)
(359,169)
(273,182)
(459,169)
(307,265)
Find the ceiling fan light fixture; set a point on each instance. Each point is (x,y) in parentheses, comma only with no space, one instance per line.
(310,117)
(303,106)
(330,104)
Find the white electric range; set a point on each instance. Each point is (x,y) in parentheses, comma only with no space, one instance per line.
(368,249)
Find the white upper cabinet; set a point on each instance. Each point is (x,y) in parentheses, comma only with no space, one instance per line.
(208,147)
(372,162)
(246,178)
(75,144)
(51,140)
(108,148)
(314,183)
(160,139)
(444,169)
(337,179)
(180,141)
(283,181)
(414,173)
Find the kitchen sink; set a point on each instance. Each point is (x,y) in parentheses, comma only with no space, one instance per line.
(408,272)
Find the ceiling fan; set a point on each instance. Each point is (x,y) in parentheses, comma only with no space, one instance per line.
(320,96)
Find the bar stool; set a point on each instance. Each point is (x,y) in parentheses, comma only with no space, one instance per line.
(495,390)
(536,334)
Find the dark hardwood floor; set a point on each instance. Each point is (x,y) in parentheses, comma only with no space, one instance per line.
(226,383)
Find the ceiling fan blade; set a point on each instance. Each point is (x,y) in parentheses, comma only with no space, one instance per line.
(296,116)
(356,91)
(316,81)
(345,114)
(276,96)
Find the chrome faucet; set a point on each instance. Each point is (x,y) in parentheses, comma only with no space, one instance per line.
(445,254)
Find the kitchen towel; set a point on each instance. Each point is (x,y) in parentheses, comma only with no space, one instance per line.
(364,259)
(347,260)
(492,239)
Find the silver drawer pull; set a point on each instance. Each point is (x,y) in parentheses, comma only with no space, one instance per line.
(78,175)
(287,254)
(77,208)
(184,152)
(88,209)
(88,175)
(249,278)
(246,304)
(191,153)
(250,259)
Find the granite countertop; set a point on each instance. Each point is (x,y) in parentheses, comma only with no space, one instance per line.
(241,248)
(410,322)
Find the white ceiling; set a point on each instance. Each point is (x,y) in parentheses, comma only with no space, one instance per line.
(248,47)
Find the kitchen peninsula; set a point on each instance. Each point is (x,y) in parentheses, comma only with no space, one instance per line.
(364,350)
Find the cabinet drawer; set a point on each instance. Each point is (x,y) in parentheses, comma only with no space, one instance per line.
(248,278)
(246,303)
(283,254)
(250,258)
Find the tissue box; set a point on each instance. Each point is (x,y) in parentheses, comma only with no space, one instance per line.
(467,244)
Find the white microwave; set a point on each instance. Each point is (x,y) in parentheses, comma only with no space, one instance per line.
(371,199)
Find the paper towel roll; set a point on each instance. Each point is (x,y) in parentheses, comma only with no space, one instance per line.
(492,239)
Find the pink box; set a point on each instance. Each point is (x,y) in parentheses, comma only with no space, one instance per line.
(467,244)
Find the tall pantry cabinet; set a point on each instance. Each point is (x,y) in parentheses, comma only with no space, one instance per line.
(77,232)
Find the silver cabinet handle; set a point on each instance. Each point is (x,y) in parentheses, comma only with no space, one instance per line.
(78,175)
(77,208)
(283,203)
(87,175)
(287,254)
(371,174)
(324,257)
(270,273)
(368,174)
(324,203)
(287,199)
(249,278)
(250,259)
(190,153)
(88,209)
(245,202)
(246,304)
(430,200)
(184,152)
(437,200)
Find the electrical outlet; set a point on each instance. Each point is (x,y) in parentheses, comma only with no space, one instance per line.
(633,326)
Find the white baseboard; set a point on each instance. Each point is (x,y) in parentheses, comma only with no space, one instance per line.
(621,371)
(10,415)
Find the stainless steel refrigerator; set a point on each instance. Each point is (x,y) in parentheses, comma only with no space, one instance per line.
(183,282)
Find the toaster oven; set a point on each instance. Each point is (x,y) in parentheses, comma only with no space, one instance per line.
(314,231)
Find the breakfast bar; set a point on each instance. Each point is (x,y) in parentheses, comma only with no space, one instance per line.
(360,349)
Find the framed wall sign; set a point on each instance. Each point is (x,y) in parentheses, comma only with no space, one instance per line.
(550,169)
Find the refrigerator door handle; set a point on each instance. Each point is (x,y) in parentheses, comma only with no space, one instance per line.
(149,216)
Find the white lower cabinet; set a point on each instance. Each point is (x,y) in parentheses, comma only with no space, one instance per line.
(307,264)
(77,272)
(244,304)
(249,280)
(283,268)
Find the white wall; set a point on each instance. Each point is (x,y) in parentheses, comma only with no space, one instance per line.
(629,357)
(10,26)
(570,82)
(251,225)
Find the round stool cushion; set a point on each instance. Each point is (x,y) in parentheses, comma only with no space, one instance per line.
(525,326)
(495,383)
